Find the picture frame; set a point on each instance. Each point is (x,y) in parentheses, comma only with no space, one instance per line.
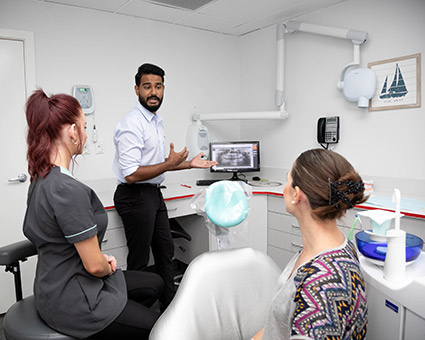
(398,83)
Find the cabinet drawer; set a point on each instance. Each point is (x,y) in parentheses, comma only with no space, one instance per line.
(346,232)
(179,207)
(283,240)
(413,226)
(348,219)
(276,204)
(114,238)
(114,220)
(283,223)
(120,254)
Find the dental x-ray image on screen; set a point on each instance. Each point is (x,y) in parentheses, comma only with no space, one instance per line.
(235,156)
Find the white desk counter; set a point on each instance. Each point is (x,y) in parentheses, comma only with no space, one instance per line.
(177,197)
(183,190)
(271,229)
(187,189)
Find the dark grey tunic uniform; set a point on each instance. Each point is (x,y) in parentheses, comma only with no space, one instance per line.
(60,212)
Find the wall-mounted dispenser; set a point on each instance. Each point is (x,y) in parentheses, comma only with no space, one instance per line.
(84,95)
(197,140)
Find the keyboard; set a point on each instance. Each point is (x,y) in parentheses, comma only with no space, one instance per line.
(206,181)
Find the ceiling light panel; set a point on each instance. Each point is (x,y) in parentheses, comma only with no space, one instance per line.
(242,11)
(148,10)
(184,4)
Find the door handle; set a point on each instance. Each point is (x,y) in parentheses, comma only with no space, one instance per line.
(21,178)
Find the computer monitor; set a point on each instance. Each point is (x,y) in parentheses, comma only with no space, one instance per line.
(235,157)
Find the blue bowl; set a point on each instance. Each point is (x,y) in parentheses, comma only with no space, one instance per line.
(378,250)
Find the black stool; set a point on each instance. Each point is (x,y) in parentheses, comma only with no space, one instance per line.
(22,321)
(177,231)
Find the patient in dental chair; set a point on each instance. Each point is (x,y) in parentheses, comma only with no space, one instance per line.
(321,292)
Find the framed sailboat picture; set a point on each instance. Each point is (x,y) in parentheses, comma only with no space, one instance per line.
(398,83)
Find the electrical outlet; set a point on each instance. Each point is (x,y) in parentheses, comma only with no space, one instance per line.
(99,148)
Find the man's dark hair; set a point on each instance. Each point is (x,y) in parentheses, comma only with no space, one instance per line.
(149,69)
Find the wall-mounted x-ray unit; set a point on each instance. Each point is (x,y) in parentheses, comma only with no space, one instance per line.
(358,85)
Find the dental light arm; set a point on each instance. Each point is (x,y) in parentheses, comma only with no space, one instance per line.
(279,94)
(356,37)
(355,62)
(280,43)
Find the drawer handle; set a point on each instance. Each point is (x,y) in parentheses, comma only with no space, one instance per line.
(105,240)
(173,209)
(295,226)
(296,245)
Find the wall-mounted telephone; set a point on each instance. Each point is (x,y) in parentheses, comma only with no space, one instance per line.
(328,130)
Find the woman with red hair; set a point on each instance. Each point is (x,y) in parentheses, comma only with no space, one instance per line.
(78,290)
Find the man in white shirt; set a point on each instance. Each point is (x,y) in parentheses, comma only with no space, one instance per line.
(140,163)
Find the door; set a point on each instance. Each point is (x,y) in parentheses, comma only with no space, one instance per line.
(16,82)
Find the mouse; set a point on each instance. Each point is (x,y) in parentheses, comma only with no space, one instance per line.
(256,178)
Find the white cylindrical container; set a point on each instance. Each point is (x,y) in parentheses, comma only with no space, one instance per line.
(395,260)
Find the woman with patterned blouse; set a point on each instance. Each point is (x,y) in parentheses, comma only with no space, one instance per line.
(321,292)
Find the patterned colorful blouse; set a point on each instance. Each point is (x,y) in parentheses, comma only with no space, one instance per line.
(325,299)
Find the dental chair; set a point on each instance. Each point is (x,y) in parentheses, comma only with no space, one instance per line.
(224,295)
(22,321)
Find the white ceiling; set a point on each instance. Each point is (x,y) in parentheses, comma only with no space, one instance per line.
(233,17)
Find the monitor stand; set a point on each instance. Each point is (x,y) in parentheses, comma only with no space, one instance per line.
(236,178)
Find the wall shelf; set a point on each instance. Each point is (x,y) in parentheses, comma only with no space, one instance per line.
(240,116)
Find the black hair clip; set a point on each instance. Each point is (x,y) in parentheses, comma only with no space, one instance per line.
(335,195)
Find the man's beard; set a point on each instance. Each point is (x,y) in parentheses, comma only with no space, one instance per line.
(151,108)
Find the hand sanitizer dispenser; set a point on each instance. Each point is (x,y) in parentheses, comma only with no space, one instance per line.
(197,140)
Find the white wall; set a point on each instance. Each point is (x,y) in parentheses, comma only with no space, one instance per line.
(81,46)
(387,143)
(218,73)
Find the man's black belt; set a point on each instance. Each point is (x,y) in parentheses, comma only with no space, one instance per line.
(145,184)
